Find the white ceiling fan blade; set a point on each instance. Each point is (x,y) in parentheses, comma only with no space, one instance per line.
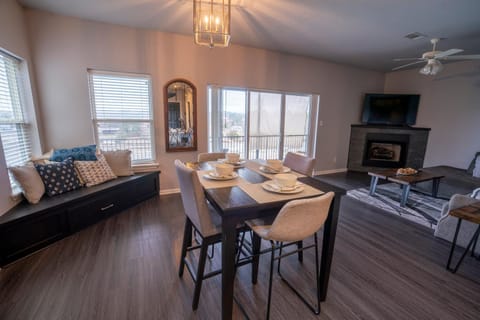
(447,53)
(407,65)
(463,57)
(406,59)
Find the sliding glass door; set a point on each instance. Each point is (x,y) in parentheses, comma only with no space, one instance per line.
(261,124)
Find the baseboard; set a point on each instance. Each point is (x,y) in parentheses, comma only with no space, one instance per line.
(169,191)
(319,173)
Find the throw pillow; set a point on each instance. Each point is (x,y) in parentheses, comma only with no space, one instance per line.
(85,153)
(30,182)
(476,170)
(95,172)
(58,177)
(472,163)
(120,162)
(43,159)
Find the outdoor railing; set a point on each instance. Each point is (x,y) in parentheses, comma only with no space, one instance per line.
(264,146)
(141,148)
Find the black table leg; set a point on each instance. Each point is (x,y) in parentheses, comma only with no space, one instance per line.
(373,185)
(229,236)
(405,192)
(435,185)
(256,243)
(454,242)
(329,233)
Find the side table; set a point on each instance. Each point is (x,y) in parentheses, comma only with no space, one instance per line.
(470,213)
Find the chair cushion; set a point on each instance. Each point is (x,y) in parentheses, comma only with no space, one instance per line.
(58,177)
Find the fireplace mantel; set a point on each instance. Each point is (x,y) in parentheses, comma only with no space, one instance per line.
(415,144)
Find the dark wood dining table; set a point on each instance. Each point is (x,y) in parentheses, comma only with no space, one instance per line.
(235,206)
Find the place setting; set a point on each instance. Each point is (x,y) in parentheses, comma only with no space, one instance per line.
(284,183)
(222,172)
(234,160)
(274,166)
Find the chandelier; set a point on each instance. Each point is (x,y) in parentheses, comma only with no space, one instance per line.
(211,22)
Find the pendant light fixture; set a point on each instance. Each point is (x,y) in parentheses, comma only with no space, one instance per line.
(211,22)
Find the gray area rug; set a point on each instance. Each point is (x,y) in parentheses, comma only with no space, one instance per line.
(420,208)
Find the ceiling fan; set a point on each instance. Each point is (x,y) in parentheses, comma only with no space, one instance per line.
(433,58)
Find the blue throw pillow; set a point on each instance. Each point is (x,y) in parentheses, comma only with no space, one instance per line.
(58,177)
(85,153)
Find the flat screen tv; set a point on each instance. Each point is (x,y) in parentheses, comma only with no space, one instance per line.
(390,109)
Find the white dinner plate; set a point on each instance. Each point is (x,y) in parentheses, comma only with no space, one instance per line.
(273,187)
(212,175)
(271,170)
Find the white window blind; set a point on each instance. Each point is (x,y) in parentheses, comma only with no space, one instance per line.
(122,113)
(14,129)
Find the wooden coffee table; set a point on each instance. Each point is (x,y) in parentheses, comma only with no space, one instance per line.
(406,182)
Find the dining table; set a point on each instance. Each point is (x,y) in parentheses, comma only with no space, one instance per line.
(244,197)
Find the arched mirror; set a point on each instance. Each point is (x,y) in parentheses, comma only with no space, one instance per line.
(180,115)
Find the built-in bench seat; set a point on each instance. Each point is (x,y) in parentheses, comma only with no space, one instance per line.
(29,227)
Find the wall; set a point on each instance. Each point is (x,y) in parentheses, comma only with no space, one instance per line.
(64,47)
(13,39)
(449,104)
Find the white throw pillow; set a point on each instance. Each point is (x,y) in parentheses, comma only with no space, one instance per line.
(476,170)
(30,182)
(120,162)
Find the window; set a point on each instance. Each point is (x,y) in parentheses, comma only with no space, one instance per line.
(14,128)
(261,124)
(122,113)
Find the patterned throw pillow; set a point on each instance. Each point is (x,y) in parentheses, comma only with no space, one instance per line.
(85,153)
(95,172)
(58,177)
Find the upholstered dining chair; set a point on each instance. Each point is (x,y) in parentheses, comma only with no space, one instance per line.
(299,163)
(210,156)
(296,221)
(203,219)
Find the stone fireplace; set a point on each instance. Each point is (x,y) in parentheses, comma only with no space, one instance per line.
(375,146)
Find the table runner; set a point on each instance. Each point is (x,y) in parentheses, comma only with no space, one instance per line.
(210,184)
(255,166)
(256,192)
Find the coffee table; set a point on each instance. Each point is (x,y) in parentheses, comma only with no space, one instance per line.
(405,181)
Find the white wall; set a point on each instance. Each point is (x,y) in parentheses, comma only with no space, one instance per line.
(63,48)
(14,40)
(450,105)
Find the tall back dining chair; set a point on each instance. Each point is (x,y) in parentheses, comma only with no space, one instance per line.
(210,156)
(296,221)
(299,163)
(203,219)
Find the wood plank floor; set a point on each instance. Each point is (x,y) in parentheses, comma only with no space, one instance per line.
(126,268)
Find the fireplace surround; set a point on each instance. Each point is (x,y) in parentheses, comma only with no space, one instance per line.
(380,146)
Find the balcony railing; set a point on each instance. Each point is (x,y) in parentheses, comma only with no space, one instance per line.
(141,148)
(263,147)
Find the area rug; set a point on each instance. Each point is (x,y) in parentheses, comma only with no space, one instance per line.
(420,208)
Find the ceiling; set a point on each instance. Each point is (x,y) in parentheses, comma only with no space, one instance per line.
(362,33)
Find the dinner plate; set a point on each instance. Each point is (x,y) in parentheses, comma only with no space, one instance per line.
(212,175)
(267,169)
(272,187)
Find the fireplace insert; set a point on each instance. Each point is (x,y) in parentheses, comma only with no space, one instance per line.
(385,151)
